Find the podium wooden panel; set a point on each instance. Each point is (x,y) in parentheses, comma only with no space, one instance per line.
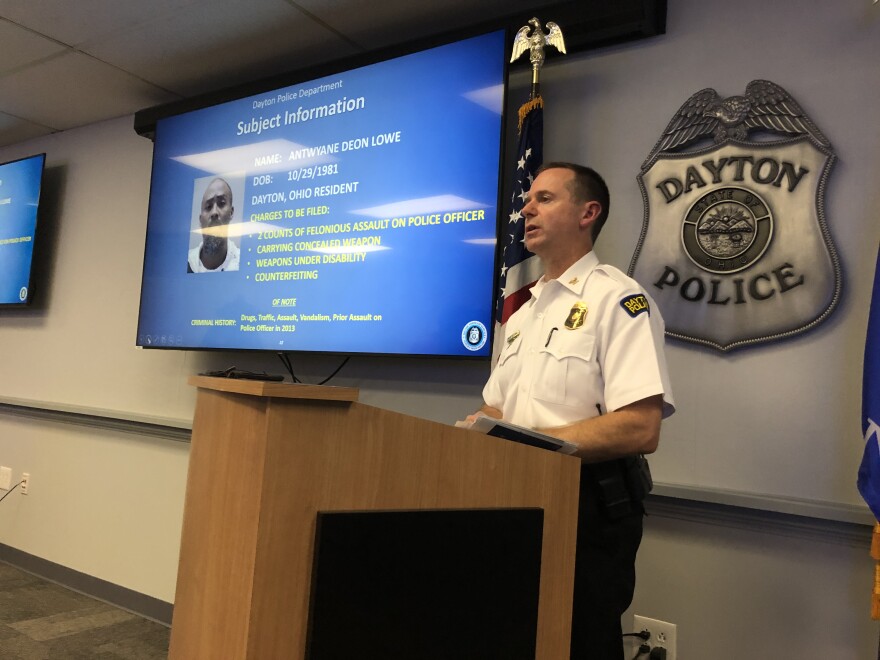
(266,457)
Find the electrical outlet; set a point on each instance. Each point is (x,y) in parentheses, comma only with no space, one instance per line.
(25,482)
(5,478)
(662,633)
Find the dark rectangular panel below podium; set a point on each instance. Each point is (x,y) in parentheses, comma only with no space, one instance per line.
(428,584)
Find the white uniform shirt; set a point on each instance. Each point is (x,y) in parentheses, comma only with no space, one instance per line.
(233,255)
(558,366)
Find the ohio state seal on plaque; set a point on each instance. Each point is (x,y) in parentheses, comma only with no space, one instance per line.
(734,247)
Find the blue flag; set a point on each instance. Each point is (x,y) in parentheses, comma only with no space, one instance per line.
(869,471)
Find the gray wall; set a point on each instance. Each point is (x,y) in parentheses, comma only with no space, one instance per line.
(107,500)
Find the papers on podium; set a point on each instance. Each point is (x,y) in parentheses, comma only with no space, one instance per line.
(501,429)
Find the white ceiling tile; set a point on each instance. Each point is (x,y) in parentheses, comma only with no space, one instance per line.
(74,21)
(195,50)
(13,129)
(74,89)
(21,46)
(149,52)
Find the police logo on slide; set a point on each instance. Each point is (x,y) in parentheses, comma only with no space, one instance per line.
(474,336)
(22,293)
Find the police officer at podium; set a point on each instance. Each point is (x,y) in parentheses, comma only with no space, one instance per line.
(583,360)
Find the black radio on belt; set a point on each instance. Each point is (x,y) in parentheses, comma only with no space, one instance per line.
(621,484)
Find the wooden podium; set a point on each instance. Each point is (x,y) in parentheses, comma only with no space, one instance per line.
(266,457)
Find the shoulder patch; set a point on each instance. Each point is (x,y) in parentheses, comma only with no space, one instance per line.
(635,304)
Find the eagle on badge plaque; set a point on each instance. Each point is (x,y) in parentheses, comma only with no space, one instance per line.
(735,248)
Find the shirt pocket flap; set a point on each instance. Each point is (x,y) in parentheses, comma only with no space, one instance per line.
(567,344)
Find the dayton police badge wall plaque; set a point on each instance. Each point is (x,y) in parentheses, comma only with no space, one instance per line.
(734,247)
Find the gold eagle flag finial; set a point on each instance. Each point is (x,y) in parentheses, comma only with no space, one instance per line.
(532,38)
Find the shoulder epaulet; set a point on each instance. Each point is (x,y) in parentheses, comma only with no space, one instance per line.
(616,274)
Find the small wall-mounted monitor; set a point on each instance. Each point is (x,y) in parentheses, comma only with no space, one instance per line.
(354,213)
(20,183)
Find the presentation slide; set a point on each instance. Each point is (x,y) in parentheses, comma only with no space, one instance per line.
(355,213)
(19,200)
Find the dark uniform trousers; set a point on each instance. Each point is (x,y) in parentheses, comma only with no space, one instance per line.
(604,577)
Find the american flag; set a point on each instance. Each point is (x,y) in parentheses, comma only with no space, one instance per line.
(520,269)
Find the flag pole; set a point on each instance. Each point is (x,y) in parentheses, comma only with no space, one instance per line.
(875,596)
(520,269)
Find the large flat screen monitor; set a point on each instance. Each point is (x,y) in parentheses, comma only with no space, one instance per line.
(20,183)
(355,213)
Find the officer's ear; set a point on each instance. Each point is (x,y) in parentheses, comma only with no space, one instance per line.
(592,210)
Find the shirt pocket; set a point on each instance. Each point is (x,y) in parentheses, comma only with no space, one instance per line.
(567,372)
